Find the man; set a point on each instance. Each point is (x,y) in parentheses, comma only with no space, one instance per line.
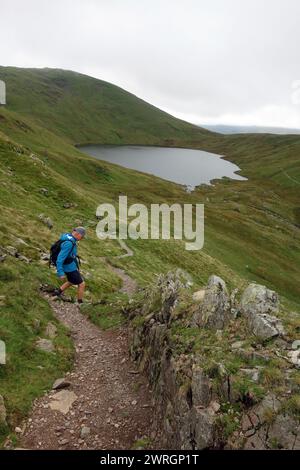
(67,265)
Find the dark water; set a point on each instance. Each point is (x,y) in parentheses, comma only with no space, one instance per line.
(184,166)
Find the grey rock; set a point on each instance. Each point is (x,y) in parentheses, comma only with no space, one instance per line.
(255,443)
(46,221)
(216,281)
(268,403)
(169,286)
(214,311)
(257,299)
(184,399)
(62,401)
(201,388)
(203,424)
(60,384)
(44,191)
(258,304)
(45,345)
(2,412)
(246,423)
(265,326)
(23,258)
(282,433)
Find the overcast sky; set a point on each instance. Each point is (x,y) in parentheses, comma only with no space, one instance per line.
(206,61)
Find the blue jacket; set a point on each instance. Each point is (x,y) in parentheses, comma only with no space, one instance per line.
(68,249)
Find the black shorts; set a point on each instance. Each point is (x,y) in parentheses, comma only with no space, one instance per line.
(74,277)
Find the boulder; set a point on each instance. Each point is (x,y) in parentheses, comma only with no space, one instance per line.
(258,300)
(46,221)
(265,327)
(258,304)
(214,310)
(45,345)
(2,412)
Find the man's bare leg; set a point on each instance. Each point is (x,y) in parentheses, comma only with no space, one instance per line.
(80,292)
(65,286)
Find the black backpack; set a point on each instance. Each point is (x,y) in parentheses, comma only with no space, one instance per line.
(54,252)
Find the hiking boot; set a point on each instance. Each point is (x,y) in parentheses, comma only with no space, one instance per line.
(57,293)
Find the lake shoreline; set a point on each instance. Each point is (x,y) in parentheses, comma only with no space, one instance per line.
(188,167)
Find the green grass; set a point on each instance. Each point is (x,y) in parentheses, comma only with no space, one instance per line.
(24,316)
(251,227)
(85,109)
(109,314)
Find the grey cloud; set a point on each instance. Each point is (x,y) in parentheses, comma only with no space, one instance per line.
(206,60)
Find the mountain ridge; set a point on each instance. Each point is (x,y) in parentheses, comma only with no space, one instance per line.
(77,100)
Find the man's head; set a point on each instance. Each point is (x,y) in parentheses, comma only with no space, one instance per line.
(78,233)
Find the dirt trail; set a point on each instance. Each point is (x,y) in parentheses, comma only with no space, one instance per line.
(107,405)
(129,286)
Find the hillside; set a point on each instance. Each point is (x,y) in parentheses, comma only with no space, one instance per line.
(252,227)
(85,109)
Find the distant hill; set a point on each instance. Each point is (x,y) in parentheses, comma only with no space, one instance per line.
(85,109)
(225,129)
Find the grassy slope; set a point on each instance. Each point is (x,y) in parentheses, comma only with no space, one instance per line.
(85,109)
(251,228)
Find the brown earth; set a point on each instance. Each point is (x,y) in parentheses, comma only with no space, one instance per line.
(107,404)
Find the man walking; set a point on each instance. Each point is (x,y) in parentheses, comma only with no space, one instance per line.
(67,263)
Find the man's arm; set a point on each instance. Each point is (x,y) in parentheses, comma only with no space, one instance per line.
(66,248)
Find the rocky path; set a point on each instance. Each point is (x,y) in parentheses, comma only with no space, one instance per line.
(129,285)
(104,403)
